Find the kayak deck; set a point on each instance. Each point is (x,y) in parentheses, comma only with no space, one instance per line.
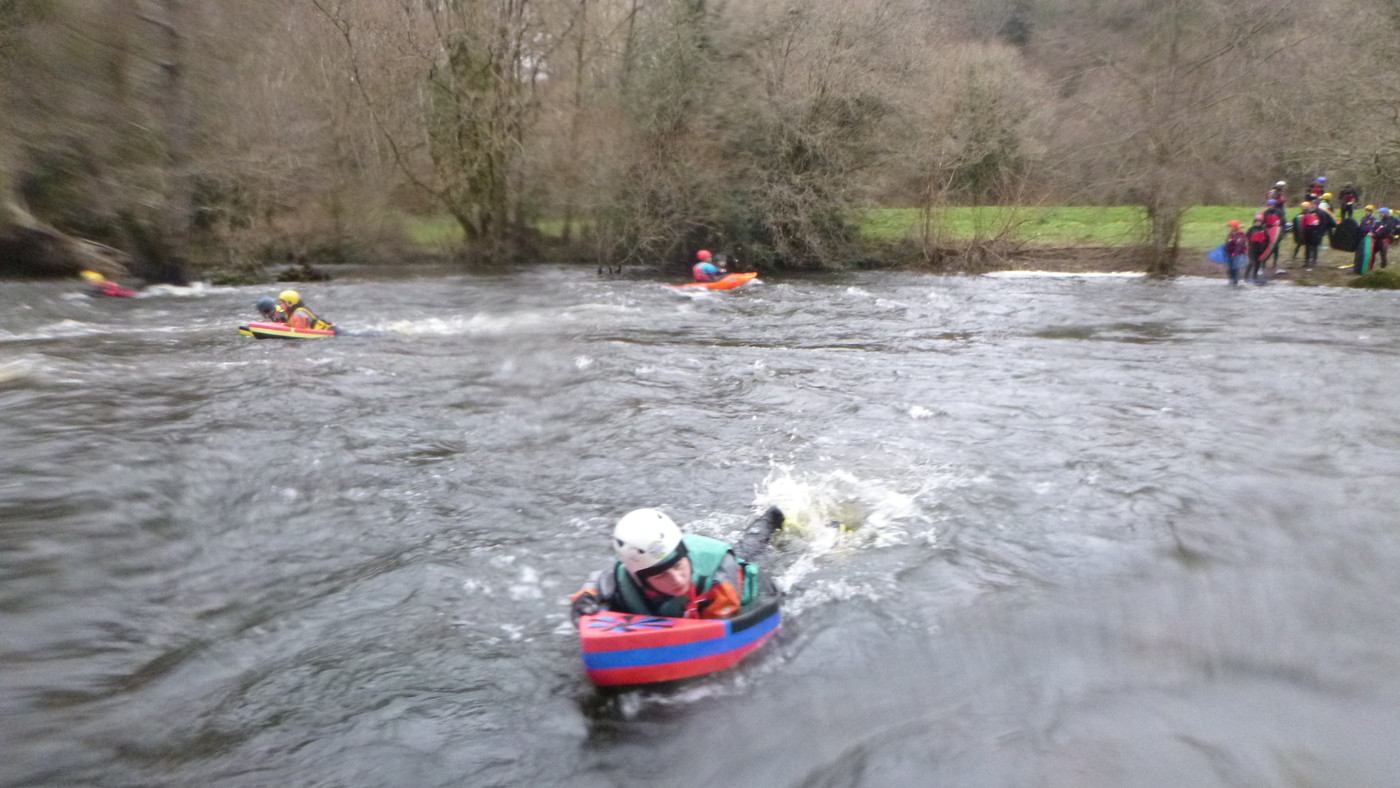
(727,282)
(282,331)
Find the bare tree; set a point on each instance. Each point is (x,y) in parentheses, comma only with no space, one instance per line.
(752,127)
(970,134)
(1158,107)
(450,86)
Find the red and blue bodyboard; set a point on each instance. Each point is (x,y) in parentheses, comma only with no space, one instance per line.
(624,648)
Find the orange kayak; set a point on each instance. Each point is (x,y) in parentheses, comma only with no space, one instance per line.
(727,282)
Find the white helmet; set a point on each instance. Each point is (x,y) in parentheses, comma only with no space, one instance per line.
(645,539)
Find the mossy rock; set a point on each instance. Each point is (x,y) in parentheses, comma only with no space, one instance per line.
(1378,279)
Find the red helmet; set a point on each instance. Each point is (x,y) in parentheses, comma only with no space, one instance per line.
(703,255)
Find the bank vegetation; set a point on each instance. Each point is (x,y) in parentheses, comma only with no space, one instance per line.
(173,139)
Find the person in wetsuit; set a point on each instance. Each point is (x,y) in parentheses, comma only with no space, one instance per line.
(660,572)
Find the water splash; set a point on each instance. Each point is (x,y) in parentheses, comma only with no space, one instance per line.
(834,514)
(25,369)
(837,509)
(460,325)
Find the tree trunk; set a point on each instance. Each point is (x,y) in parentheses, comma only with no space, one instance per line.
(179,200)
(572,174)
(1164,235)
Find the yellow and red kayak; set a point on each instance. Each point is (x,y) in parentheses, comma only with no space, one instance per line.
(726,282)
(282,331)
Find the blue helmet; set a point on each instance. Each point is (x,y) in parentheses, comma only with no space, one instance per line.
(266,304)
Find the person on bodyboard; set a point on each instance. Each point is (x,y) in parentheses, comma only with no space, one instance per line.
(660,572)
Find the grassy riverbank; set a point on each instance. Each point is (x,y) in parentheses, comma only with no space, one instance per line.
(1093,226)
(1057,230)
(1065,225)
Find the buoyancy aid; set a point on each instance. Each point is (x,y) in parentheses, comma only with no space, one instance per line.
(705,272)
(706,558)
(1236,243)
(300,314)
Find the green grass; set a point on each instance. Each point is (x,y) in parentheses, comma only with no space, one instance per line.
(1043,226)
(433,232)
(1378,279)
(438,232)
(1054,226)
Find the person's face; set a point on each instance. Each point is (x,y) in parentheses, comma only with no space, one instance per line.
(674,581)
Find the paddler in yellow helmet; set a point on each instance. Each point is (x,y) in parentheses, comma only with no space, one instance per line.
(99,284)
(298,315)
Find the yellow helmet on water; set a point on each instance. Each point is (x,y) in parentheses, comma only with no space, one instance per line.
(290,296)
(92,277)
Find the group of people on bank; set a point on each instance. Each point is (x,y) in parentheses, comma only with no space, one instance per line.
(1249,252)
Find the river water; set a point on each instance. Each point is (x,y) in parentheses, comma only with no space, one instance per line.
(1099,531)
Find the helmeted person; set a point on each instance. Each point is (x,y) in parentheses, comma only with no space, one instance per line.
(267,307)
(1236,251)
(298,315)
(1273,217)
(704,270)
(1327,220)
(660,572)
(1385,231)
(1258,242)
(99,284)
(1310,231)
(1349,196)
(1316,189)
(1369,220)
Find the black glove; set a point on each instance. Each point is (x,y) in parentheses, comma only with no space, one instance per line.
(768,522)
(585,604)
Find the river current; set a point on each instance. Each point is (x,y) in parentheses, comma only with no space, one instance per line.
(1094,531)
